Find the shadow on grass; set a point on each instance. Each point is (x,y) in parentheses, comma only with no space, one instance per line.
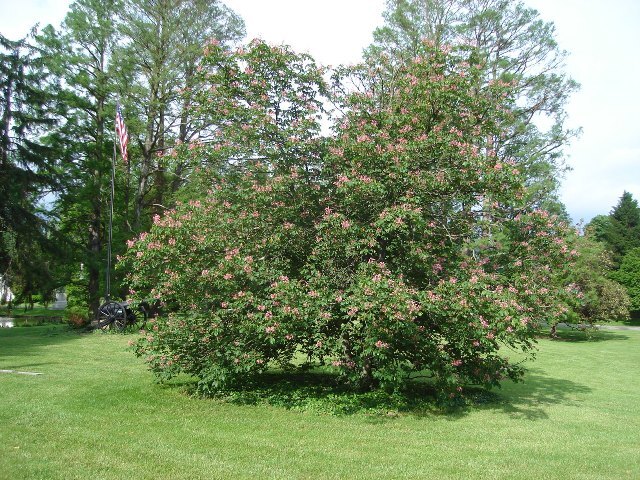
(530,399)
(576,335)
(26,341)
(321,393)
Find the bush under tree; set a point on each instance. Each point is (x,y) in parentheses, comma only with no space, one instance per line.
(603,299)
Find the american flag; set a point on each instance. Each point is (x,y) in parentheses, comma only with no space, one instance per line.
(121,133)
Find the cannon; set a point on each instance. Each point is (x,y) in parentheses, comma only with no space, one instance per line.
(119,315)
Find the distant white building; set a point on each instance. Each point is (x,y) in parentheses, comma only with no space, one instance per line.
(6,295)
(61,301)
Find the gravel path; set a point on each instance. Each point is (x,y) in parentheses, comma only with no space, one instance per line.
(602,327)
(618,327)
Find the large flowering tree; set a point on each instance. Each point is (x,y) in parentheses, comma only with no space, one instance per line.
(396,248)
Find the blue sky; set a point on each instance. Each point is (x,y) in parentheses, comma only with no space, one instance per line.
(601,36)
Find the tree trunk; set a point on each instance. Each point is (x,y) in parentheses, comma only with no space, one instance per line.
(367,381)
(95,222)
(6,124)
(93,267)
(178,181)
(148,148)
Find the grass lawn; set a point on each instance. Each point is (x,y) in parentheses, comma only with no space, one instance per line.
(22,310)
(95,413)
(631,322)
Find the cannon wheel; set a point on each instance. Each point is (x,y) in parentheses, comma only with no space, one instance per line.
(145,309)
(112,315)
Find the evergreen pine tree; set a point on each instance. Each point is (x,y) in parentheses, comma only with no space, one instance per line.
(622,232)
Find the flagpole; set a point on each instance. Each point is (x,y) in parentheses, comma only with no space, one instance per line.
(110,234)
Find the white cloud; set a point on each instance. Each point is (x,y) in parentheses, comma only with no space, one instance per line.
(18,17)
(333,31)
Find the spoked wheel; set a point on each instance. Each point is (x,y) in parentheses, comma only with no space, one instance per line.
(143,308)
(112,315)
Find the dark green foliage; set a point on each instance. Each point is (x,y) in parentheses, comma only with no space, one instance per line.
(27,168)
(597,227)
(162,45)
(143,53)
(603,299)
(80,54)
(621,231)
(629,276)
(77,298)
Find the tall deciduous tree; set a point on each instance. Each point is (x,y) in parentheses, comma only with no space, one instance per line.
(80,54)
(516,47)
(164,41)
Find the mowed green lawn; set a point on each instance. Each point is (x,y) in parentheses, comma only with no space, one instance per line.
(96,413)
